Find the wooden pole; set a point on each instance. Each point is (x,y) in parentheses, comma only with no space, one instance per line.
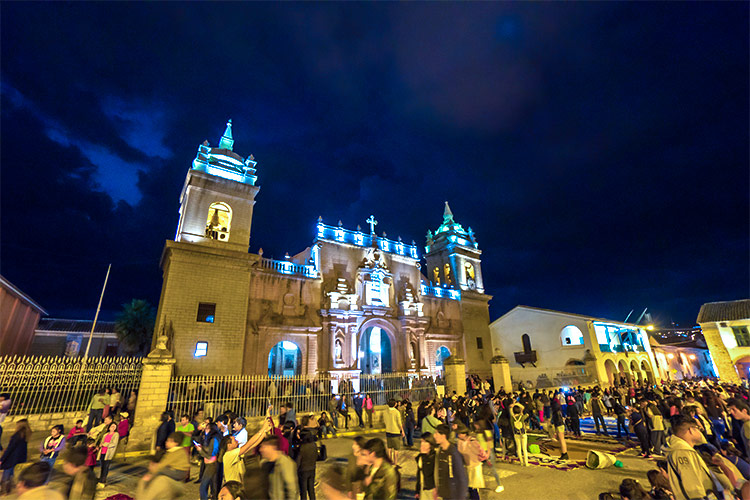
(96,316)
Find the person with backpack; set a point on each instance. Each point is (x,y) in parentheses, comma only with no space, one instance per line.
(209,451)
(518,424)
(597,412)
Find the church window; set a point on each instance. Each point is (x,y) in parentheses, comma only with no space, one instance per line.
(206,312)
(447,271)
(201,349)
(480,343)
(436,276)
(571,335)
(219,221)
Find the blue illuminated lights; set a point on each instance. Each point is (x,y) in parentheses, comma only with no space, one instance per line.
(444,293)
(201,349)
(358,238)
(225,163)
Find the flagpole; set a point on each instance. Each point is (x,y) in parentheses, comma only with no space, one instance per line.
(96,316)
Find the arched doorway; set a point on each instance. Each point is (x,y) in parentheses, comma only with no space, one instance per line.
(440,356)
(622,367)
(636,371)
(374,354)
(646,369)
(285,359)
(609,367)
(742,366)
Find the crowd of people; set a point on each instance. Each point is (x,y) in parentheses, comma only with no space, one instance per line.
(697,434)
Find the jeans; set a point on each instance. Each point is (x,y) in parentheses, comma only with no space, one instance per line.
(307,484)
(95,418)
(521,448)
(642,434)
(621,425)
(409,435)
(575,425)
(599,418)
(369,417)
(335,419)
(105,470)
(209,481)
(345,414)
(49,460)
(656,440)
(359,417)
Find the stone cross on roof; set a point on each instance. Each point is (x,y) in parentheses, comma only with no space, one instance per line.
(372,222)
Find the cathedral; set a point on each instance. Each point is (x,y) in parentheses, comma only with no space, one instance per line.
(351,302)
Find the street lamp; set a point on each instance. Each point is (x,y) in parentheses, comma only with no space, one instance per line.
(650,328)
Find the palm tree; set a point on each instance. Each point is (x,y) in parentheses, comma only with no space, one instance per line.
(135,325)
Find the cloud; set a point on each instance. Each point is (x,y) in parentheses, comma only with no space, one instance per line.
(114,175)
(141,125)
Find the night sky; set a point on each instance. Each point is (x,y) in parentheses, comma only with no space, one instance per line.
(598,150)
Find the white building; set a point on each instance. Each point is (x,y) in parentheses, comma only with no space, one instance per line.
(548,348)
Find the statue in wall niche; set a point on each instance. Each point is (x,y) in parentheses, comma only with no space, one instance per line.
(374,258)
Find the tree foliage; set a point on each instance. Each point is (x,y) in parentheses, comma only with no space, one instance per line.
(135,325)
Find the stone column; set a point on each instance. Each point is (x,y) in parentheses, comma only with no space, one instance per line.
(455,375)
(719,353)
(152,394)
(501,373)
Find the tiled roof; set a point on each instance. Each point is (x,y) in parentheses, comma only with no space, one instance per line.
(724,311)
(74,326)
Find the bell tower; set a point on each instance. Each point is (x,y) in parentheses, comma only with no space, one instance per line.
(216,204)
(453,256)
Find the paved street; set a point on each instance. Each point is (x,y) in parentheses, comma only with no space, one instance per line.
(531,482)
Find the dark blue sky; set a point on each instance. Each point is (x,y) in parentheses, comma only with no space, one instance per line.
(598,150)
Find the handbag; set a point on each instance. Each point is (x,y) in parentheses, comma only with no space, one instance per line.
(322,453)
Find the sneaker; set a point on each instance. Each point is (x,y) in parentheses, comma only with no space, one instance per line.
(564,456)
(499,488)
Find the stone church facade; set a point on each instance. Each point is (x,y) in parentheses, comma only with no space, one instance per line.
(351,302)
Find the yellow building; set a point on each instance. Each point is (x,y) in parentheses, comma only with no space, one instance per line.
(351,302)
(726,328)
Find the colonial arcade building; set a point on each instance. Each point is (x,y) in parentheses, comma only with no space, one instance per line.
(352,302)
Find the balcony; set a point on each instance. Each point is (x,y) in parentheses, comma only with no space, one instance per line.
(525,357)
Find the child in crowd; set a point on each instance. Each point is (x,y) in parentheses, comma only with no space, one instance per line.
(91,452)
(77,434)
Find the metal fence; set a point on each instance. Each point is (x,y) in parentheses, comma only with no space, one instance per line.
(55,384)
(250,395)
(542,378)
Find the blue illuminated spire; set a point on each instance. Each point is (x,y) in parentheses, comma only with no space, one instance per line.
(447,214)
(226,141)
